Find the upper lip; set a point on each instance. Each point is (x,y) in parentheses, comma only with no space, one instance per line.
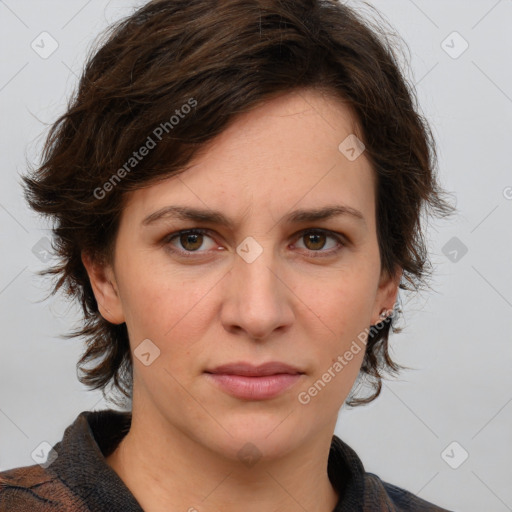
(249,370)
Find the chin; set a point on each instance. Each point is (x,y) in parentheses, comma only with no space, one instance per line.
(263,436)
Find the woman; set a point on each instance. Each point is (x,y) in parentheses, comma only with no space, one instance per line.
(237,189)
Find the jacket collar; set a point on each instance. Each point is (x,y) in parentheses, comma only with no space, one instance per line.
(95,434)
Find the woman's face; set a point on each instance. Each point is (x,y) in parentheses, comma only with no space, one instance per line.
(261,284)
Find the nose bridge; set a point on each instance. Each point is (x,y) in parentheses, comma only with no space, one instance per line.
(256,267)
(257,298)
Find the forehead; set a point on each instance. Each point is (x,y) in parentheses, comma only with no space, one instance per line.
(283,152)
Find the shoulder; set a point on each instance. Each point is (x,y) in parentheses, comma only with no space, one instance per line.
(35,489)
(362,490)
(399,499)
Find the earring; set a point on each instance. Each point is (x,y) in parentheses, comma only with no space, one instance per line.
(383,314)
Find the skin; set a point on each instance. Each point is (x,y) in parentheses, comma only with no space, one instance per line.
(214,308)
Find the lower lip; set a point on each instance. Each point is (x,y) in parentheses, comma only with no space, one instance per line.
(254,388)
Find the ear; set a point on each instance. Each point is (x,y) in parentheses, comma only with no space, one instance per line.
(387,293)
(105,289)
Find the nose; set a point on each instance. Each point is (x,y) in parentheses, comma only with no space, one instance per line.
(257,300)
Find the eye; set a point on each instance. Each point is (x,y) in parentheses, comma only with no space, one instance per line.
(315,240)
(190,240)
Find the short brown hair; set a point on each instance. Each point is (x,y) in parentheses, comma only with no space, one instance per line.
(222,58)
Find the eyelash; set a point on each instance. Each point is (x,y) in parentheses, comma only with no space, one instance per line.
(199,231)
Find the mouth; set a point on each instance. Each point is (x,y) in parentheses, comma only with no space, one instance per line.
(248,382)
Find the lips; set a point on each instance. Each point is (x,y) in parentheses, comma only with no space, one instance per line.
(249,370)
(247,382)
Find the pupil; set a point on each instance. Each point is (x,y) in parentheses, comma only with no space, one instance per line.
(192,238)
(314,239)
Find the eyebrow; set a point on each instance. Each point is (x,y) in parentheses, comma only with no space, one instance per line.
(216,217)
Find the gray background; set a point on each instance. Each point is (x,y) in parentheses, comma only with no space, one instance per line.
(457,337)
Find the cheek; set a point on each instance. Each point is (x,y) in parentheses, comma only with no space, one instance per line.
(338,348)
(168,307)
(342,301)
(341,313)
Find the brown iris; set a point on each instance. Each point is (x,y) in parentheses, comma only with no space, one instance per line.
(316,239)
(191,241)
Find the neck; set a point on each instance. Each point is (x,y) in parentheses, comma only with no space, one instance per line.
(167,469)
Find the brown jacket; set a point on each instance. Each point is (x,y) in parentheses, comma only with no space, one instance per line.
(80,480)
